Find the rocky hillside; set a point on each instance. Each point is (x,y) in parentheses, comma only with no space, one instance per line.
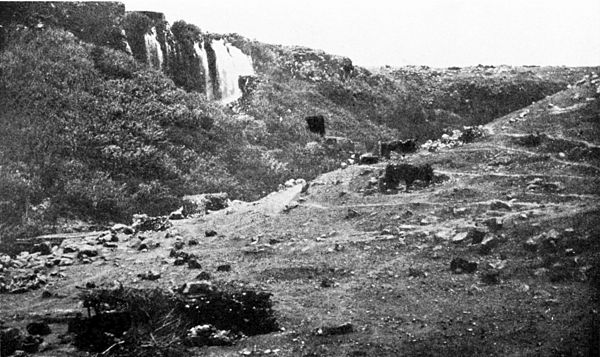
(107,113)
(497,255)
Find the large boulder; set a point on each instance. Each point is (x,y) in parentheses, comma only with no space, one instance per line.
(201,204)
(399,146)
(394,173)
(44,248)
(39,328)
(339,142)
(142,222)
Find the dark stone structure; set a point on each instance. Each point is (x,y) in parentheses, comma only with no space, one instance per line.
(399,146)
(316,124)
(394,173)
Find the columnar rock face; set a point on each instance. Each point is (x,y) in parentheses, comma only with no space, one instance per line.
(195,61)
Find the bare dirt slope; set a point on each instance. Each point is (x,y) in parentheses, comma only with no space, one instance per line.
(523,206)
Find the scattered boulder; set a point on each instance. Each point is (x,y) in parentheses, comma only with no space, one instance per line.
(326,283)
(491,276)
(197,288)
(499,205)
(208,335)
(305,187)
(460,237)
(335,330)
(489,242)
(224,267)
(44,248)
(460,265)
(368,159)
(539,184)
(142,222)
(399,146)
(476,235)
(193,241)
(416,273)
(87,251)
(494,224)
(290,206)
(204,203)
(455,138)
(122,228)
(203,276)
(70,249)
(210,233)
(339,142)
(39,328)
(177,214)
(193,263)
(149,275)
(470,133)
(147,244)
(351,214)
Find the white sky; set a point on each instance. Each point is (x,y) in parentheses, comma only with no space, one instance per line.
(438,33)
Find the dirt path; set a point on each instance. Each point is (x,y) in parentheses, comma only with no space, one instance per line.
(551,137)
(526,152)
(500,174)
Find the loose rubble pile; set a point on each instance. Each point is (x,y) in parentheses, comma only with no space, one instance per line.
(204,203)
(291,183)
(455,138)
(33,270)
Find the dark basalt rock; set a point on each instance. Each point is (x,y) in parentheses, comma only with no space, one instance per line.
(460,265)
(39,328)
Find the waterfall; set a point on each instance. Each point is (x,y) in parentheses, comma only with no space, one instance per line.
(231,63)
(126,43)
(154,53)
(203,58)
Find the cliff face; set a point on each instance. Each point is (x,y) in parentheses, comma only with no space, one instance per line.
(196,61)
(221,66)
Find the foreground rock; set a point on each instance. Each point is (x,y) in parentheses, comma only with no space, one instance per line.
(202,204)
(335,330)
(460,265)
(142,222)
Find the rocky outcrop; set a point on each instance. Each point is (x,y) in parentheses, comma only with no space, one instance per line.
(196,61)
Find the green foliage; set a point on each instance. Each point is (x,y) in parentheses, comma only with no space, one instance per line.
(113,64)
(184,64)
(94,133)
(136,25)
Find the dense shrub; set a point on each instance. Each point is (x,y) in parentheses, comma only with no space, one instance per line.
(96,134)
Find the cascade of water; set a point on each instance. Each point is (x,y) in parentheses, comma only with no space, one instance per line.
(203,58)
(154,54)
(231,63)
(127,47)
